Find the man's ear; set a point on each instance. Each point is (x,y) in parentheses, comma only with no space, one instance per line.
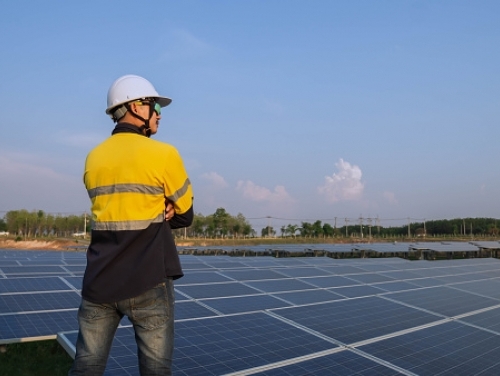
(133,107)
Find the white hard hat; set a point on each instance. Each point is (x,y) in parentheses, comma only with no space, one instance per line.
(129,88)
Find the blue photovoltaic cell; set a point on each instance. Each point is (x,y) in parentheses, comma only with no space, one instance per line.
(444,300)
(303,272)
(377,267)
(307,297)
(232,343)
(449,279)
(43,262)
(342,363)
(395,286)
(489,319)
(32,270)
(370,278)
(355,320)
(31,325)
(200,277)
(252,274)
(76,282)
(4,263)
(448,349)
(342,270)
(358,291)
(179,297)
(195,266)
(77,269)
(489,288)
(32,284)
(222,264)
(189,309)
(425,282)
(277,285)
(331,281)
(401,275)
(218,290)
(39,301)
(245,304)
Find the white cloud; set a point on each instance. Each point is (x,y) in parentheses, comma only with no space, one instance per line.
(390,197)
(254,192)
(344,185)
(215,180)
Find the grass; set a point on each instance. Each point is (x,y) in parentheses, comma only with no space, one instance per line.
(40,358)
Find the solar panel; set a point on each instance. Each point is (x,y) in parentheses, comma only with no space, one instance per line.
(13,285)
(216,290)
(340,363)
(245,304)
(489,319)
(42,301)
(355,320)
(448,349)
(284,316)
(278,285)
(31,326)
(307,297)
(331,281)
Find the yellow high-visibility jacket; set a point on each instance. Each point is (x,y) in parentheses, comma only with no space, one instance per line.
(128,178)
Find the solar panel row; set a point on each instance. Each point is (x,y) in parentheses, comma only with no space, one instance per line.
(286,316)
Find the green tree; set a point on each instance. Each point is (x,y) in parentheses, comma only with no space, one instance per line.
(317,229)
(268,232)
(291,229)
(328,230)
(3,225)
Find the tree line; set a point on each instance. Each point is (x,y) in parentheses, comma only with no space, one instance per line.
(446,227)
(221,224)
(37,223)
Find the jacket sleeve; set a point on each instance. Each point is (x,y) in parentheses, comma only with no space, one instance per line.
(182,220)
(177,186)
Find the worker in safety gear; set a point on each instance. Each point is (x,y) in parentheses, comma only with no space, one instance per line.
(139,191)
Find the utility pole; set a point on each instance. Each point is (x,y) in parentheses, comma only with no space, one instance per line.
(361,226)
(85,225)
(268,226)
(409,234)
(346,220)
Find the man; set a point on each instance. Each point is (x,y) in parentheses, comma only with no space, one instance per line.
(139,191)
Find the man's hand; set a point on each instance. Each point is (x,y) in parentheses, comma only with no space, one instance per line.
(169,210)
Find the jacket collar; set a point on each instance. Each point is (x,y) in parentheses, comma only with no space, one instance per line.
(126,128)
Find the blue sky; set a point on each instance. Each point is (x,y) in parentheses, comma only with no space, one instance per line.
(299,110)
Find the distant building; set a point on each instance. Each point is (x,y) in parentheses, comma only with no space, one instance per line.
(4,233)
(79,234)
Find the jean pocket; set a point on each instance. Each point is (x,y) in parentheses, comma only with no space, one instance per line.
(89,310)
(152,309)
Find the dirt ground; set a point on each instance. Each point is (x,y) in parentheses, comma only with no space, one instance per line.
(55,245)
(58,244)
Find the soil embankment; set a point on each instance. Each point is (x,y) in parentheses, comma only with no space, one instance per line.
(56,244)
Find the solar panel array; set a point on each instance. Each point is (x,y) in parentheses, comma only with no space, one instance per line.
(285,316)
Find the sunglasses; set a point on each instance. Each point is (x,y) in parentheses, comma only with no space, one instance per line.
(152,104)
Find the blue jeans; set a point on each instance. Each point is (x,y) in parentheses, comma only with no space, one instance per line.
(152,315)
